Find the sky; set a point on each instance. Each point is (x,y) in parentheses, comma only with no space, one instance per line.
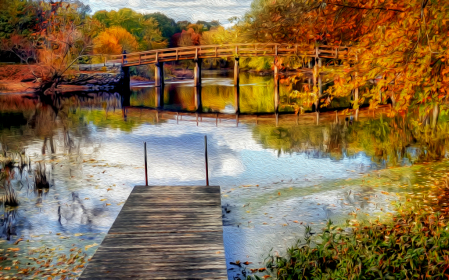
(191,10)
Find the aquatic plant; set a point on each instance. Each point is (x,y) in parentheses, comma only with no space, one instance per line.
(10,197)
(40,177)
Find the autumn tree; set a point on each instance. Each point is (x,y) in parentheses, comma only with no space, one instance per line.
(187,38)
(114,40)
(398,49)
(145,29)
(404,58)
(59,38)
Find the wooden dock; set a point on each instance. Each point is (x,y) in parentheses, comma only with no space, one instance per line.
(164,232)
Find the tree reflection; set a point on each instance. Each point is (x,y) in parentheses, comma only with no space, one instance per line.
(389,141)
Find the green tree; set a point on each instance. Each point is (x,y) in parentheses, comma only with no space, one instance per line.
(167,25)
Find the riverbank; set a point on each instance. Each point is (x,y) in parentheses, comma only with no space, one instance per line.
(412,243)
(19,79)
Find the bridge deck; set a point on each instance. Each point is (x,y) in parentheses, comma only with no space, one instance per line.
(170,232)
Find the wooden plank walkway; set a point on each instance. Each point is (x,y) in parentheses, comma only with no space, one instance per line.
(164,232)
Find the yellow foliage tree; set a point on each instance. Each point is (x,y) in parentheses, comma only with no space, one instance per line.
(114,40)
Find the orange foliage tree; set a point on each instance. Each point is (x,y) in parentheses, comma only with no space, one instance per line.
(399,48)
(61,36)
(114,40)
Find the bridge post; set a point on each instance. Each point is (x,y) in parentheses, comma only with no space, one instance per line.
(276,93)
(237,99)
(276,68)
(198,103)
(320,82)
(159,96)
(197,72)
(125,85)
(159,74)
(236,72)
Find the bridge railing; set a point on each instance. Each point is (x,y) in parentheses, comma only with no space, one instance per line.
(229,50)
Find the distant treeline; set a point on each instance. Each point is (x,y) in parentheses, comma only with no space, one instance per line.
(111,32)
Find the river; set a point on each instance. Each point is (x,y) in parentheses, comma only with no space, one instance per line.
(277,174)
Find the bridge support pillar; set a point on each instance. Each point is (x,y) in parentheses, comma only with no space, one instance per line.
(197,72)
(159,74)
(236,72)
(320,82)
(276,67)
(125,86)
(159,96)
(237,99)
(276,93)
(356,103)
(198,103)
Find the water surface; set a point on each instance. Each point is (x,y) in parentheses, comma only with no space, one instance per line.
(277,175)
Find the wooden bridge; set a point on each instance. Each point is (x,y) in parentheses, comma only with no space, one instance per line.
(229,50)
(197,53)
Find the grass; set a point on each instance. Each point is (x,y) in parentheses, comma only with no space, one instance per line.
(413,244)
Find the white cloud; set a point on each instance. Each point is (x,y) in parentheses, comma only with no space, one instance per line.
(135,3)
(191,10)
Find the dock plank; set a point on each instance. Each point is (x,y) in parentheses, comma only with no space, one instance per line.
(164,232)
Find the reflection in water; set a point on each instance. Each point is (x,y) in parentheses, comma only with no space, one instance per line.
(275,171)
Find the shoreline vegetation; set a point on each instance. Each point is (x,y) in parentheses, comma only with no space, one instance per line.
(410,243)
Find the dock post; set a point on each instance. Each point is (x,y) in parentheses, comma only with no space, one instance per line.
(197,72)
(159,74)
(236,72)
(205,154)
(146,168)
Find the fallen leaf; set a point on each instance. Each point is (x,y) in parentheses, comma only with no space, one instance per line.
(90,246)
(17,241)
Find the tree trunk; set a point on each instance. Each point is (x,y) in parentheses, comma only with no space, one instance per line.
(393,100)
(435,111)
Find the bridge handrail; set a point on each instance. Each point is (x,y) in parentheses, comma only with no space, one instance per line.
(344,48)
